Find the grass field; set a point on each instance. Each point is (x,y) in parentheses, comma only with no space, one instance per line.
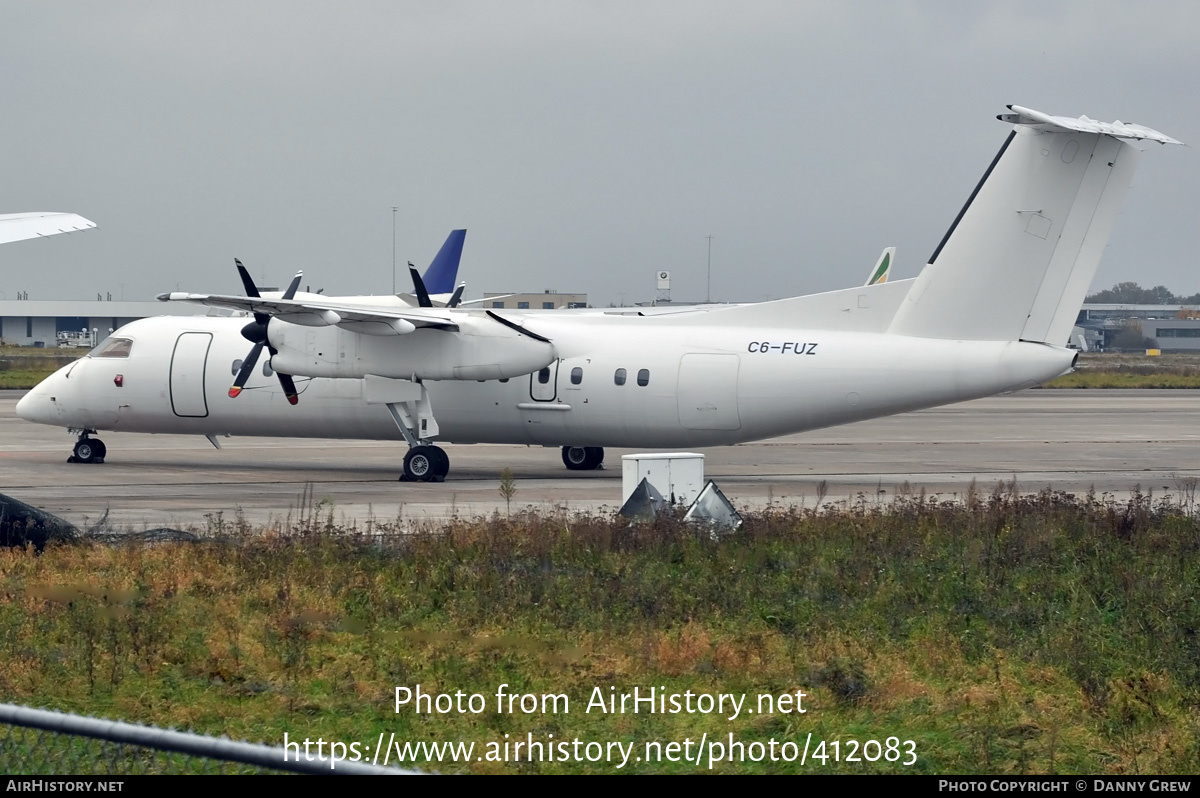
(22,367)
(1047,634)
(1115,370)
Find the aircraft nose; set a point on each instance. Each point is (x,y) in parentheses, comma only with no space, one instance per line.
(40,404)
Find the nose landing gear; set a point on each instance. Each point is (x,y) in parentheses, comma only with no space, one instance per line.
(88,450)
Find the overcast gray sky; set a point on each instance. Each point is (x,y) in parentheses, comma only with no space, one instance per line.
(584,145)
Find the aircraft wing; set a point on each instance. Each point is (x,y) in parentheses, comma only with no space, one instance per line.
(366,319)
(20,226)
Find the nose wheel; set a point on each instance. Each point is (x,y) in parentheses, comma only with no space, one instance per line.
(88,450)
(425,463)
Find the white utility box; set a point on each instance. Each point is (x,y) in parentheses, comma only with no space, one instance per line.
(678,476)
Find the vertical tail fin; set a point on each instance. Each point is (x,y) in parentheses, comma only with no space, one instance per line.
(883,267)
(443,271)
(1019,258)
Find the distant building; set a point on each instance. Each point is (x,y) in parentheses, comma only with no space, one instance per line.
(1176,328)
(44,322)
(547,300)
(1102,312)
(1174,335)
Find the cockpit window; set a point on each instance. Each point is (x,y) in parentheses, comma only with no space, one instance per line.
(113,347)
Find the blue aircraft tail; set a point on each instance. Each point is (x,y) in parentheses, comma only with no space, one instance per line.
(441,274)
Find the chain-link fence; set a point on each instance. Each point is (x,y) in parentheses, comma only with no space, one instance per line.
(37,742)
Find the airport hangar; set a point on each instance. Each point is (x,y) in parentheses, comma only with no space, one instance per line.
(51,322)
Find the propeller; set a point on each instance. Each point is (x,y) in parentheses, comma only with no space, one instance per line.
(422,292)
(419,287)
(256,333)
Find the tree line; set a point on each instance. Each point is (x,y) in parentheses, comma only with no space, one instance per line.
(1131,293)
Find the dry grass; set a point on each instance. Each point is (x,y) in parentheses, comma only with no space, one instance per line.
(1010,635)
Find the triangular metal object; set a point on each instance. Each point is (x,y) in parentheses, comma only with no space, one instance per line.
(644,502)
(713,508)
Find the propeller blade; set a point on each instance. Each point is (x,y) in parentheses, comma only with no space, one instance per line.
(456,297)
(289,387)
(251,290)
(291,289)
(247,280)
(419,287)
(239,382)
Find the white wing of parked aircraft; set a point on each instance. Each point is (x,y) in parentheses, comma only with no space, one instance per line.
(990,313)
(20,226)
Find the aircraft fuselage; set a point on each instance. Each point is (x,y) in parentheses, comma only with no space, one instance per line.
(616,381)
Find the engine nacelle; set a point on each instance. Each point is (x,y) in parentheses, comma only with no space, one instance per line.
(481,349)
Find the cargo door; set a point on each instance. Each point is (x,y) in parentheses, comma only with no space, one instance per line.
(708,392)
(188,363)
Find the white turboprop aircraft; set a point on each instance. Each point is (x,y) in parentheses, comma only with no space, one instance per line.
(990,313)
(20,226)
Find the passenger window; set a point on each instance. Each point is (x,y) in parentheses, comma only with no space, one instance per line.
(643,377)
(544,375)
(113,347)
(576,375)
(236,367)
(619,377)
(267,370)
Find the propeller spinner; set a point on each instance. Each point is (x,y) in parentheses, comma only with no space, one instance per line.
(256,333)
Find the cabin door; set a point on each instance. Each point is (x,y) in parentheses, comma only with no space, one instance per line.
(188,364)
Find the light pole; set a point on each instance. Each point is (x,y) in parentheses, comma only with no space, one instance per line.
(394,209)
(708,284)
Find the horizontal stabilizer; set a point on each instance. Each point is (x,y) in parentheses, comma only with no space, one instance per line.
(1122,130)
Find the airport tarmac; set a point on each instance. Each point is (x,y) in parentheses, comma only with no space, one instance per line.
(1112,441)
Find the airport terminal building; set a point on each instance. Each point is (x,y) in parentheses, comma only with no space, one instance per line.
(50,323)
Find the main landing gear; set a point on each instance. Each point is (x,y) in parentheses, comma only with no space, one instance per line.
(423,462)
(88,450)
(582,458)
